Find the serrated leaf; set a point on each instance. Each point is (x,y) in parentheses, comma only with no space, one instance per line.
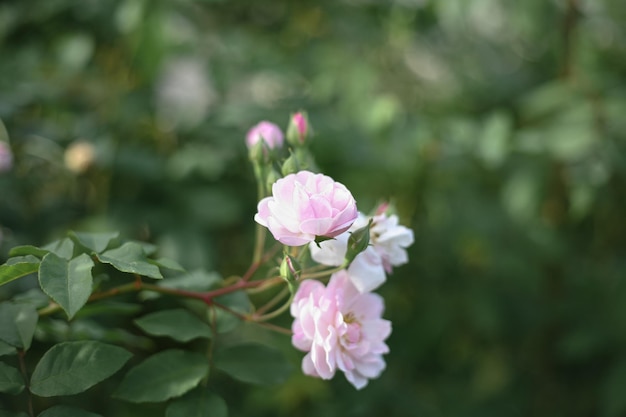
(11,381)
(12,272)
(63,248)
(178,324)
(198,403)
(97,242)
(28,250)
(72,367)
(130,257)
(69,283)
(162,376)
(17,324)
(254,364)
(66,411)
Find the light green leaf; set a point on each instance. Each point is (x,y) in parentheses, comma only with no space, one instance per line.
(69,283)
(253,363)
(66,411)
(17,324)
(63,248)
(97,242)
(167,263)
(11,381)
(12,272)
(166,375)
(198,280)
(178,324)
(72,367)
(198,403)
(28,250)
(130,258)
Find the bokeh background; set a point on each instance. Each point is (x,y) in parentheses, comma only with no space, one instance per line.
(496,128)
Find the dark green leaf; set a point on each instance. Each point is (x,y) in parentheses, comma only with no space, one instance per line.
(198,280)
(253,363)
(69,283)
(97,242)
(7,413)
(178,324)
(34,297)
(168,264)
(165,375)
(28,250)
(237,301)
(6,349)
(72,367)
(63,248)
(17,324)
(66,411)
(130,257)
(198,403)
(11,381)
(9,273)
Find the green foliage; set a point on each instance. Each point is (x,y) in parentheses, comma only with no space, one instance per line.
(72,367)
(130,257)
(198,403)
(17,322)
(11,380)
(65,411)
(162,376)
(178,324)
(255,364)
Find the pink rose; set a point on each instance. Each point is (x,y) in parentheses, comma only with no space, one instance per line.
(305,205)
(266,131)
(6,157)
(341,329)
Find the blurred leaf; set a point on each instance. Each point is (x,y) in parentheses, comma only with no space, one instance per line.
(6,413)
(63,248)
(199,280)
(73,367)
(12,272)
(178,324)
(162,376)
(254,364)
(130,257)
(493,146)
(17,324)
(198,403)
(28,250)
(613,398)
(11,381)
(237,301)
(167,264)
(546,99)
(97,242)
(6,349)
(66,411)
(67,283)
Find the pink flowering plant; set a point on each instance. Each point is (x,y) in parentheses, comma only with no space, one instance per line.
(315,255)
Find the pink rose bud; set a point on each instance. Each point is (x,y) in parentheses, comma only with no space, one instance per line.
(340,329)
(305,205)
(298,129)
(6,157)
(268,133)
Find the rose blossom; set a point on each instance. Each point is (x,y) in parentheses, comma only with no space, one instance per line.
(388,243)
(6,156)
(266,131)
(340,328)
(305,205)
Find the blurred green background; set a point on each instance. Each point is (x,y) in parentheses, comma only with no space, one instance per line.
(497,128)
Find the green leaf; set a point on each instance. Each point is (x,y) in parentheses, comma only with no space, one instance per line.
(28,250)
(198,403)
(69,283)
(253,363)
(178,324)
(198,280)
(12,272)
(237,301)
(17,324)
(167,374)
(130,258)
(97,242)
(167,263)
(11,381)
(72,367)
(6,349)
(63,248)
(66,411)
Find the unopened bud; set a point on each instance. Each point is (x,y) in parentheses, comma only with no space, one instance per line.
(265,132)
(358,241)
(299,129)
(290,270)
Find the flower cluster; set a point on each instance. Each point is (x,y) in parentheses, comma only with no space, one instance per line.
(338,325)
